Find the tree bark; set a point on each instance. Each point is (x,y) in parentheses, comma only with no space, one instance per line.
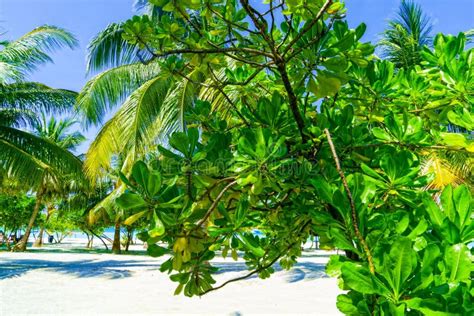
(21,245)
(129,237)
(116,242)
(39,240)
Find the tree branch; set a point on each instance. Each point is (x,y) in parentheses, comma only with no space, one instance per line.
(215,203)
(308,26)
(351,202)
(272,262)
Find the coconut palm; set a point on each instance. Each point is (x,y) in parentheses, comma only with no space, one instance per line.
(151,101)
(29,158)
(56,131)
(402,43)
(406,35)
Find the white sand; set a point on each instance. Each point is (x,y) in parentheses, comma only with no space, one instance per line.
(97,284)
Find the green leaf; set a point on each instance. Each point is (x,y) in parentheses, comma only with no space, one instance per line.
(462,196)
(132,219)
(250,243)
(327,85)
(336,64)
(436,215)
(323,188)
(458,263)
(153,184)
(399,264)
(453,139)
(381,134)
(159,228)
(129,201)
(448,204)
(359,278)
(156,251)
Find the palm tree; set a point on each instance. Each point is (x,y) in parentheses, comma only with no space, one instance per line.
(152,101)
(406,35)
(56,131)
(402,44)
(152,105)
(31,159)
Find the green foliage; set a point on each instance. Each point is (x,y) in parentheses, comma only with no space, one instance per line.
(15,212)
(24,156)
(232,137)
(421,268)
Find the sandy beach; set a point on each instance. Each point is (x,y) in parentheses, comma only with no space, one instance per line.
(53,282)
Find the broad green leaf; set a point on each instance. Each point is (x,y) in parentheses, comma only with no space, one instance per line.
(381,134)
(251,245)
(359,278)
(132,219)
(129,201)
(448,204)
(153,185)
(140,173)
(158,229)
(462,198)
(458,263)
(399,264)
(156,251)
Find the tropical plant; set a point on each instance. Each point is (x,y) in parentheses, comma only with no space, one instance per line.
(331,145)
(33,160)
(15,210)
(56,131)
(403,44)
(406,35)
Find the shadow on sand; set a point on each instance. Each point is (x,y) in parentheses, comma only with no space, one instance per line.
(116,269)
(112,269)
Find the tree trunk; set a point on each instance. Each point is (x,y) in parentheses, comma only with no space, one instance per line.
(21,245)
(129,237)
(39,240)
(116,242)
(100,238)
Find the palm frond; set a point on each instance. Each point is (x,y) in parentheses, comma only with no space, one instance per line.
(129,129)
(106,207)
(111,87)
(32,49)
(29,157)
(108,49)
(448,168)
(469,36)
(9,73)
(406,35)
(17,117)
(36,97)
(57,131)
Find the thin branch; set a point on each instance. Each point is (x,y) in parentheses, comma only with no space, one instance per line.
(312,41)
(210,51)
(260,268)
(230,22)
(410,146)
(308,26)
(351,202)
(215,203)
(219,88)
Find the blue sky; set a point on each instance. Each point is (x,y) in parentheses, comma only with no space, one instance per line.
(85,18)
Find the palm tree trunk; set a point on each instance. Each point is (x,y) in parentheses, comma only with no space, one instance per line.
(116,243)
(21,245)
(39,240)
(129,237)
